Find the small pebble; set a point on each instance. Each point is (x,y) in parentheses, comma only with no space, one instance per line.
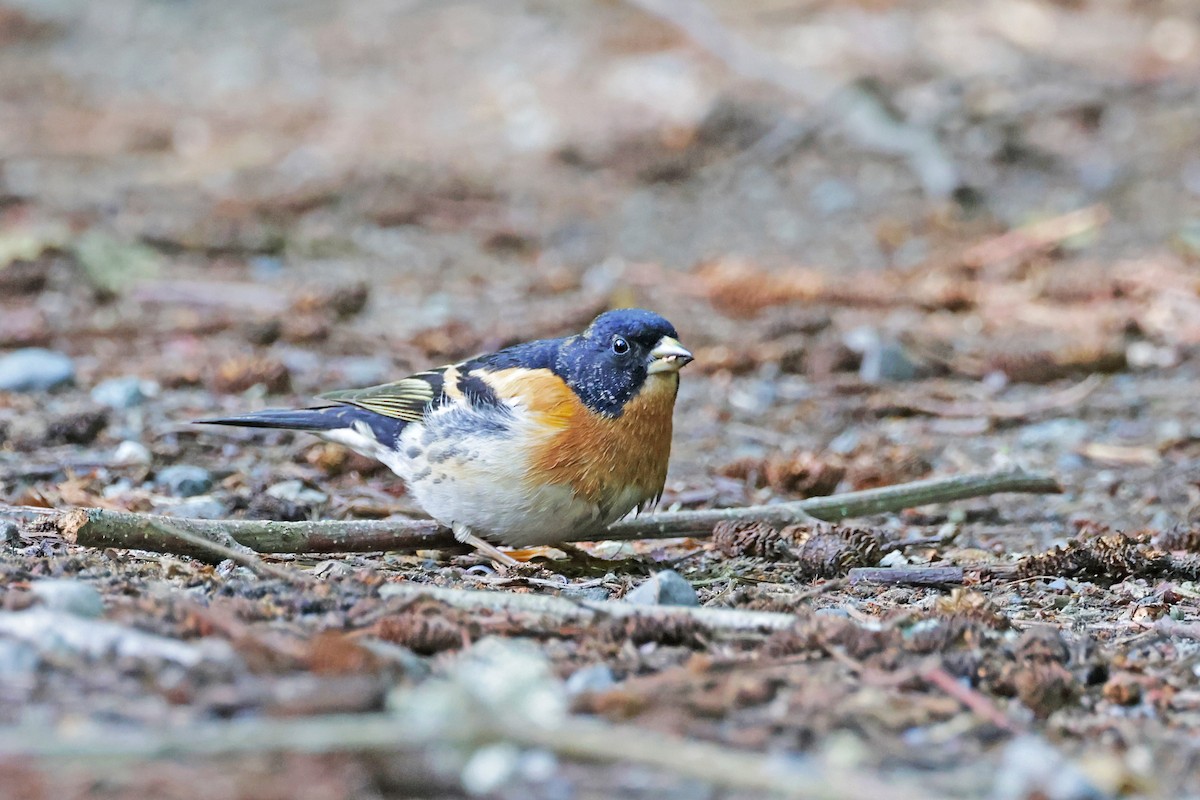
(17,659)
(596,678)
(117,488)
(1032,767)
(593,593)
(489,768)
(9,532)
(831,196)
(131,452)
(1062,433)
(295,491)
(184,480)
(35,369)
(200,507)
(888,361)
(74,597)
(666,588)
(120,393)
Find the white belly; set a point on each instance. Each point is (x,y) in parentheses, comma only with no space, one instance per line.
(478,480)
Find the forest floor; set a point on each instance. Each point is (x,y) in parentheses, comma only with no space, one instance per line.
(212,208)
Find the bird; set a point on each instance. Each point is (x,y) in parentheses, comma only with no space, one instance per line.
(535,444)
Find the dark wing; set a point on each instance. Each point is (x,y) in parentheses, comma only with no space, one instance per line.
(409,399)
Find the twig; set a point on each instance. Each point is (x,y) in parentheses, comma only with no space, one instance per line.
(1173,627)
(913,576)
(240,554)
(999,409)
(1036,237)
(573,738)
(95,527)
(838,506)
(939,678)
(561,608)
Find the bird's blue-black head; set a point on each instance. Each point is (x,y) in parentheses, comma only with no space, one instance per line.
(607,365)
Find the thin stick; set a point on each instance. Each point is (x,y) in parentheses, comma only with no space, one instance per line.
(938,677)
(239,555)
(95,527)
(912,576)
(838,506)
(1001,409)
(572,738)
(567,610)
(1173,627)
(1035,237)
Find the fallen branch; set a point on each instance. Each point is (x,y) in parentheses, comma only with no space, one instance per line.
(94,527)
(973,700)
(911,576)
(56,632)
(1036,237)
(217,552)
(568,610)
(573,738)
(998,409)
(838,506)
(1173,627)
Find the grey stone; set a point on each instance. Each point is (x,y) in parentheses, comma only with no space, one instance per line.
(832,195)
(596,678)
(912,252)
(413,665)
(117,488)
(295,491)
(131,452)
(17,659)
(593,593)
(200,507)
(120,393)
(1065,433)
(1032,767)
(184,480)
(666,588)
(35,369)
(59,633)
(888,361)
(74,597)
(9,532)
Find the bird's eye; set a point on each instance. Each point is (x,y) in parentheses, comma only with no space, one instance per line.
(620,346)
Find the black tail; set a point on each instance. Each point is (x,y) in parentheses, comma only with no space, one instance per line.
(296,419)
(385,430)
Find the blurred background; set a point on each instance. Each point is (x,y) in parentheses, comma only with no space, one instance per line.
(485,139)
(903,239)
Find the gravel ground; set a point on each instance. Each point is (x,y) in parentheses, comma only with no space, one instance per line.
(903,240)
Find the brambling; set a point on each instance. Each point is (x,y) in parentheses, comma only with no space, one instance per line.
(530,445)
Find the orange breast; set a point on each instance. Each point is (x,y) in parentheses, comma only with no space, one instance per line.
(599,457)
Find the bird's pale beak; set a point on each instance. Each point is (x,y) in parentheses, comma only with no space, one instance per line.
(668,356)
